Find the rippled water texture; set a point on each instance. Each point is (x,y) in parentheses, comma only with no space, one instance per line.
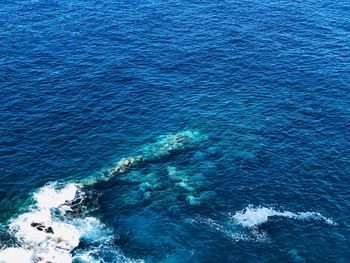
(174,131)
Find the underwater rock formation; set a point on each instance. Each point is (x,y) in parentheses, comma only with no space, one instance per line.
(164,146)
(191,184)
(176,187)
(171,143)
(125,164)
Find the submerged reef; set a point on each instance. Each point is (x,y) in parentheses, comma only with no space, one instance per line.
(125,164)
(164,188)
(168,144)
(154,187)
(163,147)
(191,184)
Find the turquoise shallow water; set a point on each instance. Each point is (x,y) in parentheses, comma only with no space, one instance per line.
(260,87)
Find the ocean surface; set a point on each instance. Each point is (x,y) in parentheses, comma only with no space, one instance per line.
(174,131)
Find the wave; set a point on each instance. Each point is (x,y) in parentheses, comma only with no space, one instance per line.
(44,229)
(254,216)
(50,230)
(245,225)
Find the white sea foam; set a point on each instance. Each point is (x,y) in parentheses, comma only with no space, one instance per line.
(42,235)
(219,227)
(244,225)
(50,197)
(254,216)
(92,230)
(64,236)
(94,256)
(13,254)
(100,239)
(45,234)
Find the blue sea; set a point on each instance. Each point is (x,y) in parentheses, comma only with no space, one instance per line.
(174,131)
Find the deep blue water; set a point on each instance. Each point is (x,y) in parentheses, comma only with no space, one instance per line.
(85,83)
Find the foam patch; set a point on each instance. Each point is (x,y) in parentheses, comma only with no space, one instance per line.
(254,216)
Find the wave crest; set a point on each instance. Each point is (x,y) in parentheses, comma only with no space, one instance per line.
(254,216)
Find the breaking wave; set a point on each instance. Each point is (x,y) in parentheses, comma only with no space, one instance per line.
(254,216)
(245,225)
(54,226)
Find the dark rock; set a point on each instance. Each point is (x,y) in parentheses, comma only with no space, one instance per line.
(49,230)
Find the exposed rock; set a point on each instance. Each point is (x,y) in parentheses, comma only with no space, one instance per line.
(41,227)
(126,162)
(49,230)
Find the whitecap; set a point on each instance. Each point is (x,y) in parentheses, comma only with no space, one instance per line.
(39,228)
(244,225)
(49,197)
(253,216)
(45,233)
(48,237)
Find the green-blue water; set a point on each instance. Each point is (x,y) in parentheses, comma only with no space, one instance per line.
(260,87)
